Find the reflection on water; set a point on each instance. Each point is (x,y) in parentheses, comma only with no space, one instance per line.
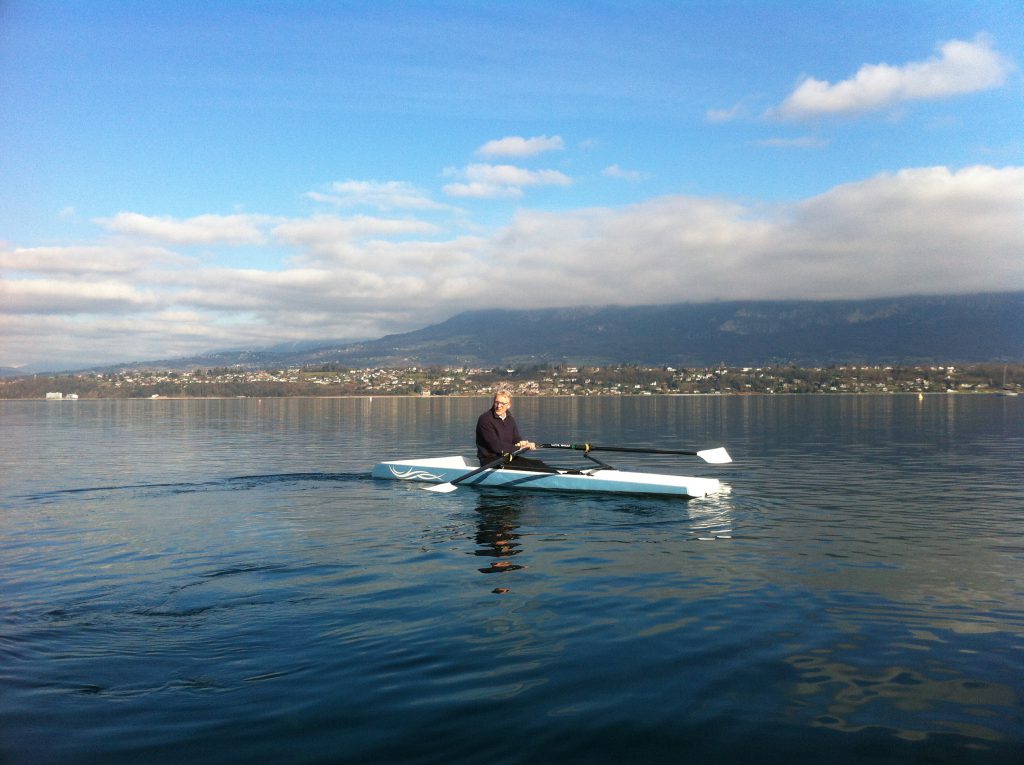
(496,535)
(912,702)
(711,517)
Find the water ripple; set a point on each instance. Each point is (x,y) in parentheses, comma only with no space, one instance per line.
(244,483)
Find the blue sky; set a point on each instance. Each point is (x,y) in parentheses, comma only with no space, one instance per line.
(184,177)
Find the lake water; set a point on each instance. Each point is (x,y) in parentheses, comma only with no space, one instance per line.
(222,582)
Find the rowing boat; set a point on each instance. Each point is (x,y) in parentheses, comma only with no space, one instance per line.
(444,470)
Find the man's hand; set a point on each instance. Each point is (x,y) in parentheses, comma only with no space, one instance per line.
(527,445)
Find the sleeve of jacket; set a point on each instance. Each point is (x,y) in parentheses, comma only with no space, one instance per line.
(516,436)
(488,441)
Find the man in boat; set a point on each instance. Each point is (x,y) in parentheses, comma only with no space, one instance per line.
(497,433)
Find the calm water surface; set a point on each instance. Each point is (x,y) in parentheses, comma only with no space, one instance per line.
(222,582)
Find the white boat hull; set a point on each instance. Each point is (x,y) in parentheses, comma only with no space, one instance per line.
(447,469)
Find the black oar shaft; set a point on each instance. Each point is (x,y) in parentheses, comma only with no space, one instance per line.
(454,484)
(489,465)
(594,448)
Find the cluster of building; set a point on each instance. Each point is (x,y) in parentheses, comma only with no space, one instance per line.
(546,380)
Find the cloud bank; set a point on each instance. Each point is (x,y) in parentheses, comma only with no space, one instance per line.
(134,294)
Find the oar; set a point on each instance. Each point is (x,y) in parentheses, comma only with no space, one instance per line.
(453,485)
(717,456)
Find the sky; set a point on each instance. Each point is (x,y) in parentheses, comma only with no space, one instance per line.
(185,177)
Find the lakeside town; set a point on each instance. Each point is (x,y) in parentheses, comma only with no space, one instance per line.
(540,380)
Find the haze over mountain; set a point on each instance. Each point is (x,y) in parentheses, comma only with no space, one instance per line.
(947,329)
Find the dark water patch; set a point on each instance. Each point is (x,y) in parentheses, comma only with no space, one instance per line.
(240,586)
(234,483)
(187,612)
(248,569)
(256,481)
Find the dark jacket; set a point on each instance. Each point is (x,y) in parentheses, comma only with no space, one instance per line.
(495,436)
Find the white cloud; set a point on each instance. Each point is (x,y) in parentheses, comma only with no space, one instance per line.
(479,190)
(510,175)
(339,238)
(614,171)
(385,196)
(230,290)
(725,115)
(961,67)
(517,146)
(202,229)
(918,230)
(331,227)
(56,296)
(87,260)
(488,181)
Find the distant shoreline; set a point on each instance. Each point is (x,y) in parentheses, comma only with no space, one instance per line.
(549,381)
(728,394)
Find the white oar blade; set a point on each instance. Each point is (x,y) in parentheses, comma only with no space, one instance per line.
(442,488)
(717,456)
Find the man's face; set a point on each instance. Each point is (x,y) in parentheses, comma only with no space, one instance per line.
(502,404)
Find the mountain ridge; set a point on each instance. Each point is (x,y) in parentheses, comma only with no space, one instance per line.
(981,327)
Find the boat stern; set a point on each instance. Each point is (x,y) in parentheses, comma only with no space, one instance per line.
(433,470)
